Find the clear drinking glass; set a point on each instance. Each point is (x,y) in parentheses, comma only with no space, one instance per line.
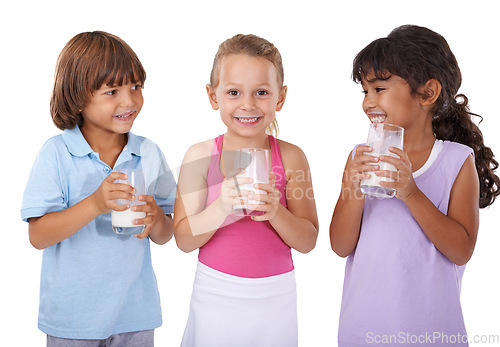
(122,221)
(254,162)
(381,136)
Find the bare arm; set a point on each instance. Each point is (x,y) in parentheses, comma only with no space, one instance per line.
(194,225)
(346,220)
(55,227)
(164,232)
(453,234)
(193,231)
(297,225)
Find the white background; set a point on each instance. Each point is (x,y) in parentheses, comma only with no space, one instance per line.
(176,42)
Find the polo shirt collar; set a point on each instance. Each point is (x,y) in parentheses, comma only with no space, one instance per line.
(133,144)
(76,143)
(79,147)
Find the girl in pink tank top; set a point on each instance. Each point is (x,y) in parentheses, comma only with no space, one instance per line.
(244,292)
(233,248)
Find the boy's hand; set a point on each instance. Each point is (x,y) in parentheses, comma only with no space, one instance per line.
(154,215)
(104,197)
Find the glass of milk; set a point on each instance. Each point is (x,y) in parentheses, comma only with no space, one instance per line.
(122,221)
(381,136)
(254,162)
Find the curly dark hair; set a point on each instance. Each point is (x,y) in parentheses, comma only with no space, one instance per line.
(418,54)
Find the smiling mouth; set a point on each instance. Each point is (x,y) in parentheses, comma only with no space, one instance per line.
(248,120)
(377,117)
(125,115)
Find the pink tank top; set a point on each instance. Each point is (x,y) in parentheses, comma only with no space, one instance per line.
(244,247)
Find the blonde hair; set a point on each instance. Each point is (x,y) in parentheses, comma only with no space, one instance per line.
(88,61)
(254,46)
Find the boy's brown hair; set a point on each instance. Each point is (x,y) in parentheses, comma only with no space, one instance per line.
(88,61)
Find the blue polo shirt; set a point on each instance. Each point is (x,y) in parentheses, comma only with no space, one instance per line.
(95,283)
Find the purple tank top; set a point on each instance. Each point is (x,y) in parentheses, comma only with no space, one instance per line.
(398,287)
(244,247)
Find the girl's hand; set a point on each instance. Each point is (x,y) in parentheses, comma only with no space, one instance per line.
(154,215)
(230,191)
(104,197)
(359,167)
(271,199)
(403,178)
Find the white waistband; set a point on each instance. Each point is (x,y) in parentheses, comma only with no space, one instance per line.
(224,284)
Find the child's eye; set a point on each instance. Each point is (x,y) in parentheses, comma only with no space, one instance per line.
(137,87)
(262,92)
(379,89)
(111,92)
(233,93)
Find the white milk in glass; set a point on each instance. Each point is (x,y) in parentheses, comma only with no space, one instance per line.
(243,210)
(371,186)
(122,221)
(380,137)
(255,163)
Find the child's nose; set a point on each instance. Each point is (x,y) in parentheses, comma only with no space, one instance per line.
(368,102)
(247,102)
(127,99)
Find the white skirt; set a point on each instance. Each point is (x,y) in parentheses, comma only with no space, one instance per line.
(229,311)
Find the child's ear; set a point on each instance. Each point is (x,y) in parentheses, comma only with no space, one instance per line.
(430,92)
(281,98)
(212,97)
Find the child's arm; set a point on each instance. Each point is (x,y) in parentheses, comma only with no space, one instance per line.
(297,224)
(55,227)
(453,234)
(346,219)
(194,224)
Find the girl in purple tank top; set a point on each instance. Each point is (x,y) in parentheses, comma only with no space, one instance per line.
(244,292)
(407,254)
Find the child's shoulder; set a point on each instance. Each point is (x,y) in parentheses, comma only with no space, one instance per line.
(201,149)
(54,140)
(289,149)
(292,155)
(455,154)
(457,147)
(197,159)
(54,144)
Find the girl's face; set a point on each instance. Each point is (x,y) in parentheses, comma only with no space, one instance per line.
(113,109)
(248,94)
(390,101)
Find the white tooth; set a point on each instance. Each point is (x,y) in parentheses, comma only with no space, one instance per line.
(377,118)
(248,120)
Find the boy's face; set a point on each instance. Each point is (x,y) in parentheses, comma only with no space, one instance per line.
(113,109)
(248,94)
